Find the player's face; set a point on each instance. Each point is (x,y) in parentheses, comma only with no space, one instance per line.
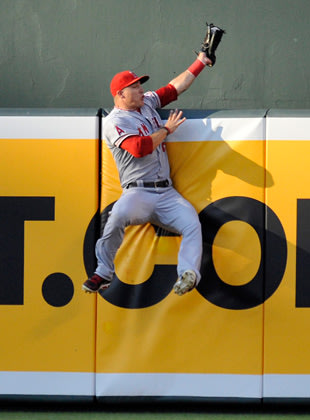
(133,96)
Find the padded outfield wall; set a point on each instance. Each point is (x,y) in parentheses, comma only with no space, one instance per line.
(240,335)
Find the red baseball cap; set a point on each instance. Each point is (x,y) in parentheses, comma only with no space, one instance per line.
(124,79)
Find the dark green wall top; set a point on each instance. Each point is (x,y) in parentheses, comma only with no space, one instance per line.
(63,53)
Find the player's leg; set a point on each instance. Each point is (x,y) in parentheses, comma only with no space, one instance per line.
(177,214)
(132,208)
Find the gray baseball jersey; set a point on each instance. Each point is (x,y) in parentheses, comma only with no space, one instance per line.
(119,125)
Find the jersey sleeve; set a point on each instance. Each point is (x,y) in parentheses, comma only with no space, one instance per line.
(152,100)
(116,130)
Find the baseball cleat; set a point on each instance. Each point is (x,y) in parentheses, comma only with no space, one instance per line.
(185,283)
(95,283)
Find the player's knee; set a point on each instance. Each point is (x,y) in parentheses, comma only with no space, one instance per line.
(118,219)
(192,227)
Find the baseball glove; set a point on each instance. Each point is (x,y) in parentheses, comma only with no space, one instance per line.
(211,41)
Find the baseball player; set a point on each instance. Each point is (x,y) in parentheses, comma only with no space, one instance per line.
(135,134)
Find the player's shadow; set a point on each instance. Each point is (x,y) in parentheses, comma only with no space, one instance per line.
(210,153)
(202,153)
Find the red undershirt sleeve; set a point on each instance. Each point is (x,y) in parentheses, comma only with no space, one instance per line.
(138,146)
(167,94)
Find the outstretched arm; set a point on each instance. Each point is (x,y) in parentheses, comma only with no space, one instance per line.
(184,80)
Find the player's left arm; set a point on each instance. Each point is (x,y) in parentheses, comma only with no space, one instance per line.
(184,80)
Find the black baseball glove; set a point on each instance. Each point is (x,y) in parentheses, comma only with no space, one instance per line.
(211,41)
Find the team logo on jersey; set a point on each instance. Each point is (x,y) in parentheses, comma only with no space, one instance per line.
(119,130)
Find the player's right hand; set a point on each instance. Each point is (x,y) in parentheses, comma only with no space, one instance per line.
(175,119)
